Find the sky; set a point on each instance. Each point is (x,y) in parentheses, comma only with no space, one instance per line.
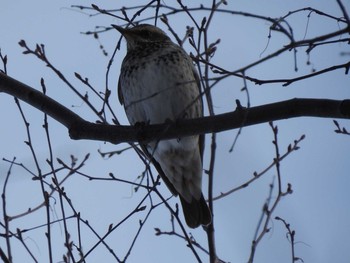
(318,209)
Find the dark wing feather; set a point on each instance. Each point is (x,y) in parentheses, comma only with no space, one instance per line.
(120,94)
(201,136)
(159,170)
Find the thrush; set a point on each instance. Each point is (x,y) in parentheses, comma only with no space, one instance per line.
(158,83)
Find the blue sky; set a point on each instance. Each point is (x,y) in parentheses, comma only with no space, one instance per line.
(317,210)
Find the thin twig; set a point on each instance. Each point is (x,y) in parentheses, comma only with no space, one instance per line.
(291,148)
(6,218)
(291,238)
(345,13)
(267,208)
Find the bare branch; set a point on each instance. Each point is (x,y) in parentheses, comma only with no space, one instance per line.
(81,129)
(291,237)
(345,13)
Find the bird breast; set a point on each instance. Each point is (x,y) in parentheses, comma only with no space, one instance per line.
(160,87)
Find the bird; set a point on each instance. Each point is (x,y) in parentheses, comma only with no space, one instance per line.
(158,83)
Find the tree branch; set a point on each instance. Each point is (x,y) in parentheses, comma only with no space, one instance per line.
(241,117)
(38,100)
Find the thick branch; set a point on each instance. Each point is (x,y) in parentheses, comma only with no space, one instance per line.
(241,117)
(38,100)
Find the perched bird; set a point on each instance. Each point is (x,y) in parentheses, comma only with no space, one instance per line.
(158,83)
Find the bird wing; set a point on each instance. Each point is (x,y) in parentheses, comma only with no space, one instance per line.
(201,136)
(120,94)
(149,156)
(159,170)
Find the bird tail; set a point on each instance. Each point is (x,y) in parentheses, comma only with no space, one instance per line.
(196,213)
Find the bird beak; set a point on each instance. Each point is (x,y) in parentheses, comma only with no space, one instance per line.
(120,29)
(127,34)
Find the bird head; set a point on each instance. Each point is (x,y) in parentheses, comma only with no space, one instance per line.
(142,34)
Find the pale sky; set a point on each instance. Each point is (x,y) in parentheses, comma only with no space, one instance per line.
(317,210)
